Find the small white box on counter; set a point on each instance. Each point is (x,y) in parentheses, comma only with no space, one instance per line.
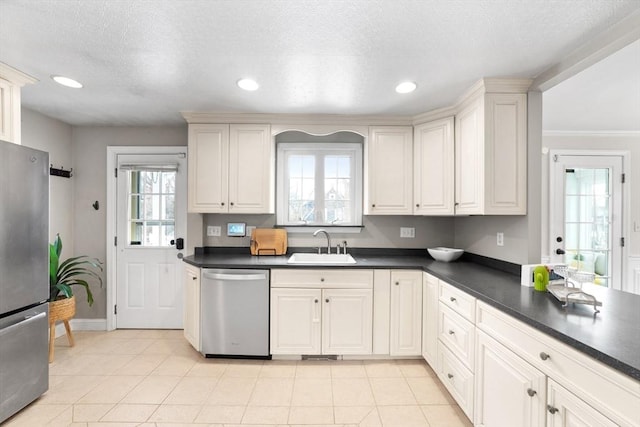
(526,273)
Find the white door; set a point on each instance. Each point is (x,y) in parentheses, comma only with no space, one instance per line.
(586,215)
(151,227)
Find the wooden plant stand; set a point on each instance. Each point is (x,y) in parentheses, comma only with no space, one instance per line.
(60,310)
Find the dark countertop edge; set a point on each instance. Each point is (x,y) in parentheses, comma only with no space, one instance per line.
(493,264)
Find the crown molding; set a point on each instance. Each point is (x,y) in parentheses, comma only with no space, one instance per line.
(295,119)
(429,116)
(15,76)
(593,133)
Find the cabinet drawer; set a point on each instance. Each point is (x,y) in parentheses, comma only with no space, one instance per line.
(325,279)
(457,334)
(610,392)
(459,301)
(456,378)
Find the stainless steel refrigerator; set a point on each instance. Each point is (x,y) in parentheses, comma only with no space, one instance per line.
(24,276)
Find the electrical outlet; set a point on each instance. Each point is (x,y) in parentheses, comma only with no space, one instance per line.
(500,239)
(408,232)
(213,230)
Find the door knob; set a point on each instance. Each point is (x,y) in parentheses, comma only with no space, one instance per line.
(560,251)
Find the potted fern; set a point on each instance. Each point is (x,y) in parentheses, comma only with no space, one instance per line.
(63,275)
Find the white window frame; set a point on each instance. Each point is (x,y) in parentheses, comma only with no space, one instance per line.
(282,207)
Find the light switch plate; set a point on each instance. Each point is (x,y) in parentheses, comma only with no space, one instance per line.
(500,239)
(213,230)
(407,232)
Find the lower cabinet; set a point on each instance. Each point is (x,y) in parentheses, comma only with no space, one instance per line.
(430,319)
(567,410)
(321,321)
(406,313)
(509,391)
(192,306)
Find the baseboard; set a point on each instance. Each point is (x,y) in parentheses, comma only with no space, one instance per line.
(82,325)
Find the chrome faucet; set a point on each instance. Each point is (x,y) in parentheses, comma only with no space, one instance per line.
(328,239)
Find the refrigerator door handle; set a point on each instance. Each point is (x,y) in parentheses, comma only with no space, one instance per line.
(25,321)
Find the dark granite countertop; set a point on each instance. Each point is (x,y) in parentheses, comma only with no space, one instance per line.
(612,336)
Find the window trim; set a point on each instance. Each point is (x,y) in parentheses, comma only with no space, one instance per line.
(353,148)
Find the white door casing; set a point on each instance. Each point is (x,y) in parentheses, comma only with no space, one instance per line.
(145,274)
(610,164)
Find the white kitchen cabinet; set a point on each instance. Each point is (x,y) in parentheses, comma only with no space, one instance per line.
(491,155)
(593,385)
(192,306)
(295,321)
(347,321)
(231,169)
(11,82)
(321,311)
(430,318)
(457,378)
(564,409)
(406,313)
(389,169)
(433,168)
(508,391)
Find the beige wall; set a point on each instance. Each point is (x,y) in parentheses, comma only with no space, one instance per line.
(90,178)
(47,134)
(378,232)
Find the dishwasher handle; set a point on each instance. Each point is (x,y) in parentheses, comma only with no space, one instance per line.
(235,277)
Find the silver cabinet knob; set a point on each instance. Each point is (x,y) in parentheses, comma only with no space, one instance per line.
(551,409)
(194,278)
(544,356)
(450,376)
(397,283)
(451,332)
(531,392)
(452,299)
(316,301)
(322,279)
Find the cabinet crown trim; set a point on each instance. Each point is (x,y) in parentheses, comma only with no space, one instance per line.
(14,76)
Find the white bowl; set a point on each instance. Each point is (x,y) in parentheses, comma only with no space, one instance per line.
(445,254)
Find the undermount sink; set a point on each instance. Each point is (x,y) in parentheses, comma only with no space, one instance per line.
(306,258)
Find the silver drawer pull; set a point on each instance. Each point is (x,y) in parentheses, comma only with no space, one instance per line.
(451,332)
(551,409)
(544,356)
(531,392)
(452,299)
(316,300)
(450,376)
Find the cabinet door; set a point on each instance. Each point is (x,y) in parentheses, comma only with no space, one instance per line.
(565,409)
(295,321)
(433,168)
(347,319)
(429,319)
(251,169)
(208,168)
(469,156)
(192,306)
(509,391)
(406,313)
(505,120)
(390,171)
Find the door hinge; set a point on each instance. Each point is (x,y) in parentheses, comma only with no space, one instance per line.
(622,241)
(115,240)
(623,178)
(555,157)
(115,172)
(115,309)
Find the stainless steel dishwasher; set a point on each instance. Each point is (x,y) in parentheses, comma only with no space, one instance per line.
(234,315)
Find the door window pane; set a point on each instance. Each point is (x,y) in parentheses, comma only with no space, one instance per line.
(151,208)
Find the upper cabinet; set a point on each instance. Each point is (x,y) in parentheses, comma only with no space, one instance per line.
(231,168)
(433,168)
(11,80)
(389,171)
(491,155)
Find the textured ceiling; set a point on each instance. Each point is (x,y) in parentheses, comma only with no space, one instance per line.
(142,62)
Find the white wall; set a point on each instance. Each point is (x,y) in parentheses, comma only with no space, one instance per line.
(617,142)
(51,135)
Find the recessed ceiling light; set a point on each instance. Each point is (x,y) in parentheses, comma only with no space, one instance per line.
(66,81)
(248,84)
(406,87)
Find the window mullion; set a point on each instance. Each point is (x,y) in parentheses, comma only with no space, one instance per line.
(319,187)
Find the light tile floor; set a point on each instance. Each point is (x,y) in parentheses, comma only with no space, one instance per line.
(155,378)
